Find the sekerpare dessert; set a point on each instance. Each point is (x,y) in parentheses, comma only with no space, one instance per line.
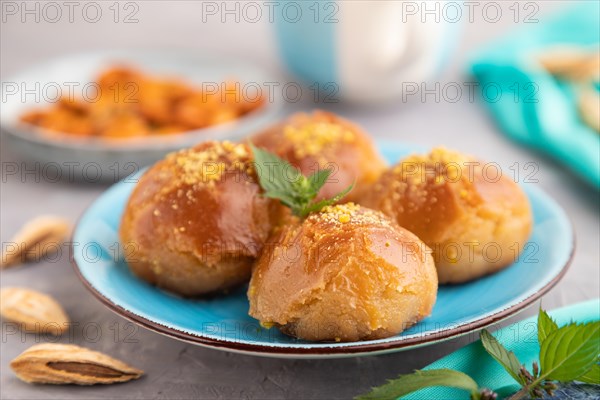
(323,140)
(345,273)
(196,221)
(475,219)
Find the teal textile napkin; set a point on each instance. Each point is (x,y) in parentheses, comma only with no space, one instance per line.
(530,105)
(521,338)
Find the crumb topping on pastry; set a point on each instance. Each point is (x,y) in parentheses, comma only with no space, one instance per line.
(349,213)
(440,164)
(310,139)
(419,176)
(208,165)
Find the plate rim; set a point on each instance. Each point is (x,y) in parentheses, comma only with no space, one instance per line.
(350,350)
(325,352)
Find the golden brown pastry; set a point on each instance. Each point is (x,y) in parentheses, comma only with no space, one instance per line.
(475,219)
(196,220)
(346,273)
(323,140)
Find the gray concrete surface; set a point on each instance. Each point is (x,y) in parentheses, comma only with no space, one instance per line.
(182,371)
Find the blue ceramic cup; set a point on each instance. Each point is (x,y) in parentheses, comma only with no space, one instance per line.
(369,49)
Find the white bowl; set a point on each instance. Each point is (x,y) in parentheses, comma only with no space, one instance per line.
(97,159)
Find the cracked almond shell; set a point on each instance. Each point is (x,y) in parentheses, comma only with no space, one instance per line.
(34,311)
(59,364)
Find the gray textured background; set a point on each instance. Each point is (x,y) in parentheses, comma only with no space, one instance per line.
(178,370)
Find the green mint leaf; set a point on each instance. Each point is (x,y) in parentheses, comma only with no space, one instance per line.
(406,384)
(546,325)
(281,196)
(570,351)
(303,190)
(592,376)
(506,358)
(317,206)
(282,181)
(274,173)
(318,179)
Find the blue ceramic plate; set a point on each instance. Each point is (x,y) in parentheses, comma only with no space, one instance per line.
(223,322)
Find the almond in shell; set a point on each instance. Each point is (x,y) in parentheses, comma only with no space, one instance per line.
(589,108)
(570,62)
(35,240)
(58,364)
(34,311)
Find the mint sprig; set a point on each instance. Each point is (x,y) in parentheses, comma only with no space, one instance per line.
(406,384)
(506,358)
(546,325)
(568,353)
(282,181)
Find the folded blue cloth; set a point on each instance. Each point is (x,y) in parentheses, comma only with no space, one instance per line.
(521,338)
(532,106)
